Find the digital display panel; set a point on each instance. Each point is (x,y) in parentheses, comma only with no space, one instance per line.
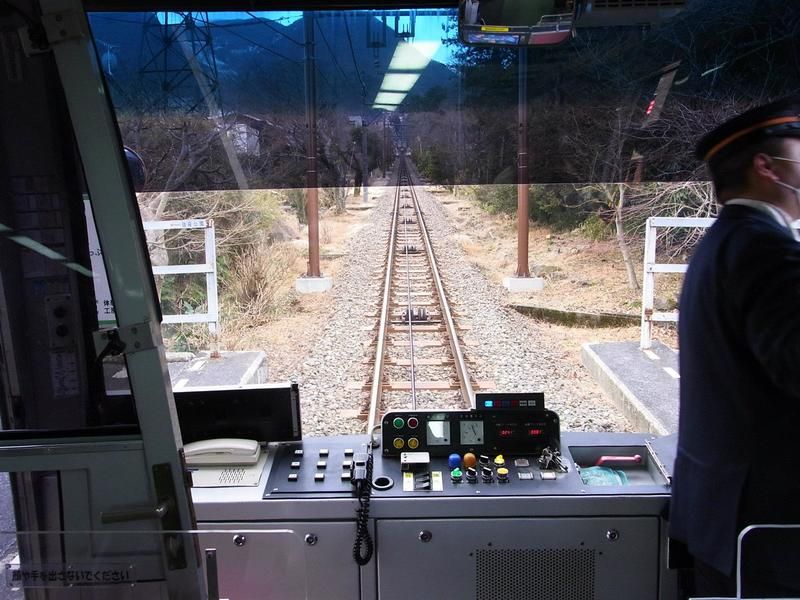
(471,433)
(504,39)
(438,433)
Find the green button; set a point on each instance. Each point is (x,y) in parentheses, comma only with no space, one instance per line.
(456,473)
(398,423)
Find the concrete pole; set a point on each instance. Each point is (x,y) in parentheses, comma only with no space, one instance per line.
(364,161)
(522,166)
(312,200)
(383,147)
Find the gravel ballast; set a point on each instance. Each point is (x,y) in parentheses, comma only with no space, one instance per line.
(513,351)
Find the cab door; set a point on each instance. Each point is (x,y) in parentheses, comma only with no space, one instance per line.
(103,483)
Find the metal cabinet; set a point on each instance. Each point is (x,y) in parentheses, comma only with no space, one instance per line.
(284,560)
(519,559)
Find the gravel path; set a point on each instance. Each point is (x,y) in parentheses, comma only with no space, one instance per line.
(513,351)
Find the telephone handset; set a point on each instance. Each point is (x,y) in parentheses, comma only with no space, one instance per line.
(222,451)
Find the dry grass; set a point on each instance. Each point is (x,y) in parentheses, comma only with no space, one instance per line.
(257,291)
(262,311)
(290,326)
(580,274)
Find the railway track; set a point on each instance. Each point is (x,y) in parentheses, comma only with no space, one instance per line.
(418,361)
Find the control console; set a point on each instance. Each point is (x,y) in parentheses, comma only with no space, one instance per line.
(521,430)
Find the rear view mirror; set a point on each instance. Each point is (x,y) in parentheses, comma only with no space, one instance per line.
(516,22)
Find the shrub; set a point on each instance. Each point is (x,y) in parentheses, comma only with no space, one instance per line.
(595,228)
(496,199)
(296,199)
(556,205)
(334,197)
(256,287)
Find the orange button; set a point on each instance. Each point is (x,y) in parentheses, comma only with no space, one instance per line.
(470,460)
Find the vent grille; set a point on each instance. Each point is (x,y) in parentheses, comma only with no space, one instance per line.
(637,3)
(544,574)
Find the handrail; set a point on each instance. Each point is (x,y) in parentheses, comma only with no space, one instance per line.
(740,539)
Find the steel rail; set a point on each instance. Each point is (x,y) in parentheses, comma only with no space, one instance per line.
(409,306)
(380,351)
(462,372)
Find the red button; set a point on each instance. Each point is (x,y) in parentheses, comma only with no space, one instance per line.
(413,422)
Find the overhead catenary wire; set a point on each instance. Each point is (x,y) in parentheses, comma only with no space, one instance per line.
(256,44)
(330,50)
(266,22)
(355,63)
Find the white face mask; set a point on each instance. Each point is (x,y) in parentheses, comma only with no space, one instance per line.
(796,190)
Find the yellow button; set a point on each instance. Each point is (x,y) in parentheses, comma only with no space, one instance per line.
(499,461)
(398,443)
(502,472)
(413,443)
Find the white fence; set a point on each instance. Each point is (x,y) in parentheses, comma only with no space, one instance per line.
(209,268)
(651,267)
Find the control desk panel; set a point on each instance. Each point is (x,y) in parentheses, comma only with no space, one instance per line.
(521,430)
(431,451)
(508,446)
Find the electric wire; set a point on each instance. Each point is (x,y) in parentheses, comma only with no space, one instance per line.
(256,44)
(273,28)
(330,50)
(353,55)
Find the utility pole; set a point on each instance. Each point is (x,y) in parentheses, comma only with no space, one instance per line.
(312,201)
(522,280)
(383,147)
(313,281)
(364,161)
(522,166)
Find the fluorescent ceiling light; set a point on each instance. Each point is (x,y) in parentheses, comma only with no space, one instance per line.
(389,97)
(389,107)
(399,82)
(413,57)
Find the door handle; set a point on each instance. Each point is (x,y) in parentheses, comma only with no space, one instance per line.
(212,578)
(134,514)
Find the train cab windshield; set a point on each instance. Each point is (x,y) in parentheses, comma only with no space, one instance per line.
(404,279)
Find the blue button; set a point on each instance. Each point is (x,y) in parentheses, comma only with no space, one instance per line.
(454,461)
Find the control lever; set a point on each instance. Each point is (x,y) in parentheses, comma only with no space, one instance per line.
(550,460)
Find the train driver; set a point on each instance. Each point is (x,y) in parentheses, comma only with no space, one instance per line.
(739,338)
